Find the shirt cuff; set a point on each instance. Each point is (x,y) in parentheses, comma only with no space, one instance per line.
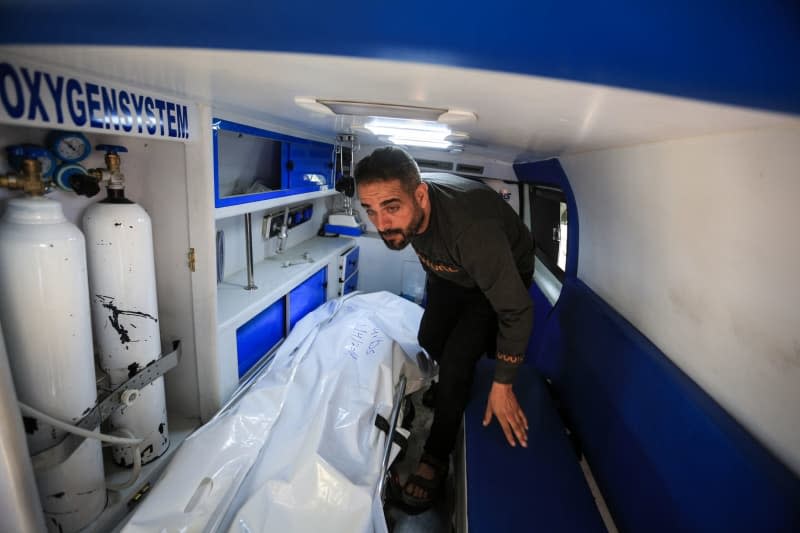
(506,369)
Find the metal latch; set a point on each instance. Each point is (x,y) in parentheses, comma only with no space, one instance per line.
(192,259)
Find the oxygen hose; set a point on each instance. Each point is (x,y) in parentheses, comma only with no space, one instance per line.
(137,465)
(110,440)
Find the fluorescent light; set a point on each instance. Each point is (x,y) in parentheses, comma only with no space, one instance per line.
(404,141)
(409,129)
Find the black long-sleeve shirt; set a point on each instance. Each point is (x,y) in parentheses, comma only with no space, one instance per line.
(475,239)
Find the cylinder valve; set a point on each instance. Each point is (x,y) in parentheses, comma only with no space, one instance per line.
(29,179)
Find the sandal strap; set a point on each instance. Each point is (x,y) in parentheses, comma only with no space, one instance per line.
(440,467)
(429,485)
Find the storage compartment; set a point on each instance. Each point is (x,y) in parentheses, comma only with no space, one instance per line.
(252,164)
(348,264)
(259,335)
(249,164)
(349,286)
(307,296)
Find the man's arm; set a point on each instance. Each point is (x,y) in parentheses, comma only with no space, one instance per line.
(485,254)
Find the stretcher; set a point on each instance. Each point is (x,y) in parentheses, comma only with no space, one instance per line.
(297,448)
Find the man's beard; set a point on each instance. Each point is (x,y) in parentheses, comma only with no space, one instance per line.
(408,233)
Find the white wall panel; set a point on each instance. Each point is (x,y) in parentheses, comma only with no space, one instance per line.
(696,243)
(381,269)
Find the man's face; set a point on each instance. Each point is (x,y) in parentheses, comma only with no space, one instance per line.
(397,215)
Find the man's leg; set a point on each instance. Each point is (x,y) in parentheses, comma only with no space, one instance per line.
(440,316)
(464,345)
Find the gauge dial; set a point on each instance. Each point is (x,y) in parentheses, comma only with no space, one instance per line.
(71,147)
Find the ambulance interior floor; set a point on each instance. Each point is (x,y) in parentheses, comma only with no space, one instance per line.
(439,518)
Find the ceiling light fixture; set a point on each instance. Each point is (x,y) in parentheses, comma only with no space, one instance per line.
(376,109)
(410,132)
(361,108)
(419,142)
(408,128)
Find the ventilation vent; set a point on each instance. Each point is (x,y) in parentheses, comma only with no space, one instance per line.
(437,165)
(469,169)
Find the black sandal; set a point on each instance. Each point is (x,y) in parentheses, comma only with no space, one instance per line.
(433,487)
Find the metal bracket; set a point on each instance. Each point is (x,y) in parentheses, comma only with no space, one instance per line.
(103,409)
(346,138)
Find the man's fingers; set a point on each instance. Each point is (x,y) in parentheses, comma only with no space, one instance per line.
(507,431)
(488,416)
(522,423)
(524,419)
(518,431)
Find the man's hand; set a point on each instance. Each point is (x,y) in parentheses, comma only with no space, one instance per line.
(503,404)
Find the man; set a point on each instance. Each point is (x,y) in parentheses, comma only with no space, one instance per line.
(479,258)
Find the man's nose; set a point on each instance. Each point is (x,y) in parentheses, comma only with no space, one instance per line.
(382,222)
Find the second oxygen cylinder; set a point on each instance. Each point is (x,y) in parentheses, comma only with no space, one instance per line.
(122,283)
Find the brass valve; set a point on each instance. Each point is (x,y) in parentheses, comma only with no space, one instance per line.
(112,174)
(28,180)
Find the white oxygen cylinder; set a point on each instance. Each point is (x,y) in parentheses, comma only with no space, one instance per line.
(122,283)
(44,309)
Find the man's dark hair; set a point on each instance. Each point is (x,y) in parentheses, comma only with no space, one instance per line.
(386,164)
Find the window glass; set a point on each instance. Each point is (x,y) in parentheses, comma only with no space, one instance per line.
(549,226)
(562,238)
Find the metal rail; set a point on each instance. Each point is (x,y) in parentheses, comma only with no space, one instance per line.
(387,448)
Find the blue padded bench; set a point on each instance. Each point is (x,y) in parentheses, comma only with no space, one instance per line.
(519,489)
(665,455)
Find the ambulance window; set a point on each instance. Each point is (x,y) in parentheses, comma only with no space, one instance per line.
(549,226)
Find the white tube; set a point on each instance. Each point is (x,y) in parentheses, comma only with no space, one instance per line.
(111,439)
(137,465)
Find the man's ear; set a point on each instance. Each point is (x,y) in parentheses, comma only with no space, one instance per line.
(421,194)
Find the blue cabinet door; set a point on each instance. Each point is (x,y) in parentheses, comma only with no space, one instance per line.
(259,335)
(310,158)
(307,296)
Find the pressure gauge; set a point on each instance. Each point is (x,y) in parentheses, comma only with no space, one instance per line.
(71,146)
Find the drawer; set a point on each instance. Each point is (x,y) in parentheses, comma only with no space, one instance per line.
(346,287)
(348,264)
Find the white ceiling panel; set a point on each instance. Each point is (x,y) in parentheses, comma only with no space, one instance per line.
(519,117)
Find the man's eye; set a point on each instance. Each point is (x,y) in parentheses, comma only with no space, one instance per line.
(370,213)
(392,209)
